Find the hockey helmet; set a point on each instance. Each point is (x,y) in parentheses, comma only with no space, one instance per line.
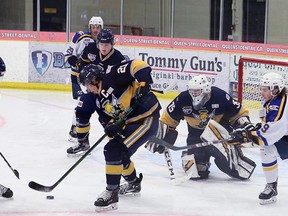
(95,20)
(106,36)
(199,89)
(2,67)
(91,74)
(274,81)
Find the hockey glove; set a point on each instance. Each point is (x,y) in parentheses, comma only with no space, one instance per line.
(154,147)
(240,136)
(141,92)
(112,129)
(244,135)
(72,60)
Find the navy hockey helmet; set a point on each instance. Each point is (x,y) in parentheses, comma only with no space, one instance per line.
(91,74)
(2,67)
(106,36)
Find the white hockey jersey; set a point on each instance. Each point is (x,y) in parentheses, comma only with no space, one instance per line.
(274,122)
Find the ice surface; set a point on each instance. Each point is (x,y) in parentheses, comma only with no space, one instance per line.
(34,129)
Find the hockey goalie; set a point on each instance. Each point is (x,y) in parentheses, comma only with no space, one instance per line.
(198,106)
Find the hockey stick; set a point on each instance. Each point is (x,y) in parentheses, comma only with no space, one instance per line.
(16,173)
(164,91)
(166,152)
(43,188)
(177,148)
(168,159)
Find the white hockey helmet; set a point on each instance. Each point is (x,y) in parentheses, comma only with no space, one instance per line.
(96,20)
(199,89)
(274,81)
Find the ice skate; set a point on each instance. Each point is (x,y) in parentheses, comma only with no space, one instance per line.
(72,134)
(269,195)
(132,188)
(6,192)
(78,150)
(107,200)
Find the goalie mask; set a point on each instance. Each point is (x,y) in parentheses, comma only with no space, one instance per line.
(199,89)
(274,81)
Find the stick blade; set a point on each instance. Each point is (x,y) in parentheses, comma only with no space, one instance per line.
(16,173)
(39,187)
(172,84)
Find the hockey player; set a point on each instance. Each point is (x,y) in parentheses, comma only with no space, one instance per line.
(101,52)
(197,106)
(4,191)
(105,57)
(80,40)
(125,86)
(273,142)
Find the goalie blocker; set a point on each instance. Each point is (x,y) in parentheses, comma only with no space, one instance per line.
(164,132)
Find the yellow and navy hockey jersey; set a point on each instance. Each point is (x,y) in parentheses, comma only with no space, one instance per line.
(118,91)
(221,107)
(92,55)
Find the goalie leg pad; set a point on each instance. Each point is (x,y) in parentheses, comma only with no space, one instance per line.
(231,161)
(214,132)
(194,169)
(228,158)
(244,166)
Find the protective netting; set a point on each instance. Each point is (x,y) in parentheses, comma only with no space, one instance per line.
(250,71)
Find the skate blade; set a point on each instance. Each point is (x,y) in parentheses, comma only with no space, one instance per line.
(268,201)
(130,194)
(110,207)
(77,154)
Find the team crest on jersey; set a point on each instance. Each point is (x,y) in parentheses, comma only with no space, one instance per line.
(187,110)
(91,56)
(273,107)
(204,117)
(112,108)
(41,60)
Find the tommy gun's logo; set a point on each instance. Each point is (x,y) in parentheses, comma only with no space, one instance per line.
(41,60)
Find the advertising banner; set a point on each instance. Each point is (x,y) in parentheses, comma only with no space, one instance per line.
(47,63)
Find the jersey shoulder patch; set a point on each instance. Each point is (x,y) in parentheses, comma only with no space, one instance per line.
(136,65)
(80,35)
